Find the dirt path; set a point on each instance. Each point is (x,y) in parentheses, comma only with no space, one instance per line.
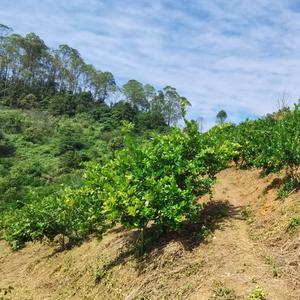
(236,260)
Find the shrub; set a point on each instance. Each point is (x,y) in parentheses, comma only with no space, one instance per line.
(76,213)
(257,294)
(290,185)
(294,225)
(156,182)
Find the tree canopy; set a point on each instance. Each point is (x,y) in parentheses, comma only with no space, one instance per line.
(32,75)
(221,116)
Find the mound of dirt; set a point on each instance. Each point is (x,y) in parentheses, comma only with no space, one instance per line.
(246,240)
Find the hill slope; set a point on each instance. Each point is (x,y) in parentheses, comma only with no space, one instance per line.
(251,243)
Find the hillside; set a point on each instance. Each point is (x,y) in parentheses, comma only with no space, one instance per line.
(251,240)
(104,196)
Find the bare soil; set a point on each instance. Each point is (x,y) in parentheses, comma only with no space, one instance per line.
(244,242)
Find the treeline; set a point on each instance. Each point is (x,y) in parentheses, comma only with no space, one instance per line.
(32,75)
(60,119)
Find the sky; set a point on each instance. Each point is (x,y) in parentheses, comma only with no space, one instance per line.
(238,55)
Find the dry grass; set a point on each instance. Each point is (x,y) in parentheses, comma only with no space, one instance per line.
(230,251)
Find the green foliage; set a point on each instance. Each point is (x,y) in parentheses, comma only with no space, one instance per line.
(12,121)
(155,181)
(221,116)
(294,225)
(32,76)
(39,151)
(6,149)
(158,181)
(269,143)
(247,215)
(135,177)
(257,294)
(71,137)
(76,213)
(135,94)
(290,185)
(223,293)
(275,268)
(152,178)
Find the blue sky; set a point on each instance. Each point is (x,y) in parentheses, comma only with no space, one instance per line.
(239,55)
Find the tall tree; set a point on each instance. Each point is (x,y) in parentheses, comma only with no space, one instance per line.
(221,116)
(149,92)
(4,31)
(135,95)
(103,84)
(33,59)
(172,105)
(71,68)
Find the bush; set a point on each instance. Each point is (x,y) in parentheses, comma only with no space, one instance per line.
(12,121)
(156,182)
(6,149)
(71,137)
(76,213)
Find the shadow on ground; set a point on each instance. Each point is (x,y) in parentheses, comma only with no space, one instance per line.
(189,237)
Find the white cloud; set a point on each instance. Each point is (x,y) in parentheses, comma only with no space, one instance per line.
(237,55)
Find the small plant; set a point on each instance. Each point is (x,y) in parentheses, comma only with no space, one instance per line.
(288,187)
(223,293)
(257,294)
(246,214)
(293,225)
(275,267)
(99,273)
(5,292)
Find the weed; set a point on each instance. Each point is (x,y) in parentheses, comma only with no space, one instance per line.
(246,214)
(275,268)
(223,293)
(5,292)
(257,294)
(288,187)
(101,272)
(293,225)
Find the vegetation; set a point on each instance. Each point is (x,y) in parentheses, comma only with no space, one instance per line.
(275,268)
(290,185)
(155,182)
(61,82)
(221,116)
(222,292)
(57,113)
(294,225)
(257,294)
(79,154)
